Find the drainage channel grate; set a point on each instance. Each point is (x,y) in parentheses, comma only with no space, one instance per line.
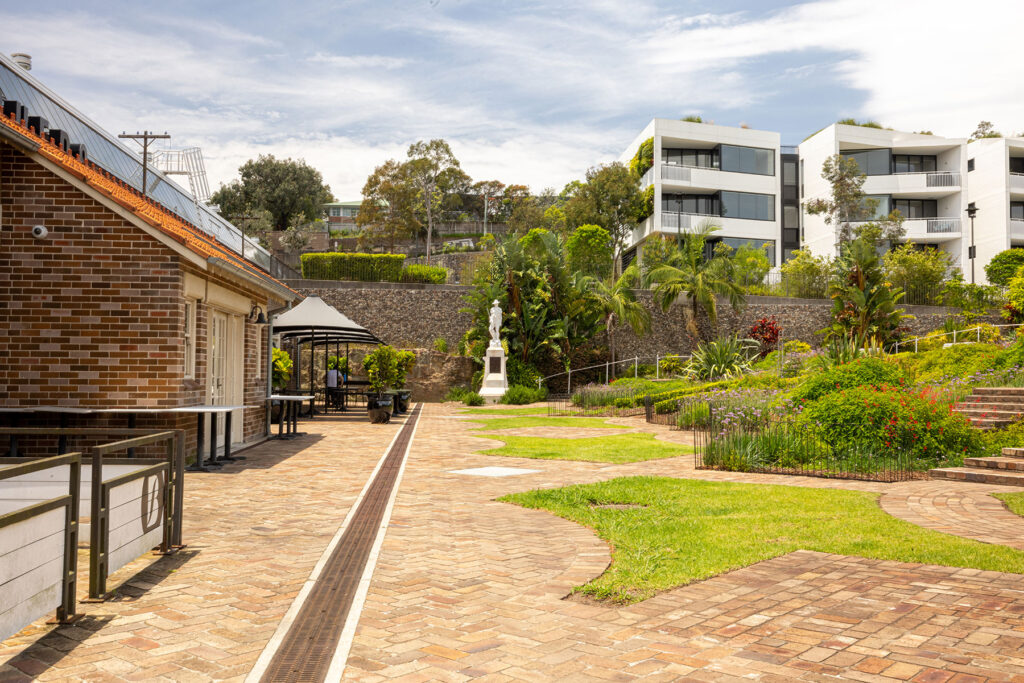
(306,651)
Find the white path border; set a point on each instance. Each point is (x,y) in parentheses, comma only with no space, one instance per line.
(274,644)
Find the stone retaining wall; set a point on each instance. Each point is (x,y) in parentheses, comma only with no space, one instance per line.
(413,316)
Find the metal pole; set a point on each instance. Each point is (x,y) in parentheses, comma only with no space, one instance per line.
(657,365)
(568,389)
(606,372)
(636,366)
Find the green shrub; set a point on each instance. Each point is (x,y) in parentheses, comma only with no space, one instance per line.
(868,371)
(671,365)
(916,423)
(726,357)
(432,275)
(441,345)
(796,346)
(456,394)
(1011,436)
(644,157)
(1004,266)
(646,370)
(956,361)
(590,251)
(382,367)
(471,398)
(360,267)
(282,368)
(520,373)
(521,395)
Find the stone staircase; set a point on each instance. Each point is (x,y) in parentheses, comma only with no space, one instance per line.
(989,407)
(1007,469)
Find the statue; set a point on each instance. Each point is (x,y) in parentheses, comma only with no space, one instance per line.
(495,325)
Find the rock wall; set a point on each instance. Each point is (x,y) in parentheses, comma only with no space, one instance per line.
(414,316)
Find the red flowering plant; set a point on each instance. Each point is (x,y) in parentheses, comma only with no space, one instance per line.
(766,333)
(890,420)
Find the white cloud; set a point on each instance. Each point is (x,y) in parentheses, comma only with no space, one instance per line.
(530,93)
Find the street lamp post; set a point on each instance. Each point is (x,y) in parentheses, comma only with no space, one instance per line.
(972,211)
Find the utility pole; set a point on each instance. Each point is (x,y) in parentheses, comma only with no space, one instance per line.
(144,138)
(972,211)
(485,212)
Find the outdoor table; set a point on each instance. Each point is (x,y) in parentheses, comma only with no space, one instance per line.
(289,413)
(200,412)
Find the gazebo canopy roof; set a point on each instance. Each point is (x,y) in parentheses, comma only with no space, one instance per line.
(315,318)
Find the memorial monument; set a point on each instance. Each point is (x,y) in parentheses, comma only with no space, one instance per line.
(495,382)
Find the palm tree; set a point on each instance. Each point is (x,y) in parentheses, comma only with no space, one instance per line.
(617,303)
(700,279)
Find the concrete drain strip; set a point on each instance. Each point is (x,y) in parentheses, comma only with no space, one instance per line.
(313,640)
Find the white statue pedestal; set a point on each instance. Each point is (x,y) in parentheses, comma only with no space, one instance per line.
(495,382)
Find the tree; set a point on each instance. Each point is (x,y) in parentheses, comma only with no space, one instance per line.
(590,251)
(805,275)
(434,171)
(489,192)
(848,205)
(657,251)
(284,188)
(863,303)
(1004,266)
(985,129)
(920,272)
(388,208)
(750,263)
(618,304)
(611,198)
(698,279)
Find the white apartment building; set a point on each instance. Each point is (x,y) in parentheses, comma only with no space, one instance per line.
(703,172)
(995,188)
(922,176)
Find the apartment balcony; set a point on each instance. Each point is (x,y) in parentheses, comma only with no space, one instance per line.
(1017,230)
(1017,183)
(675,177)
(729,227)
(913,184)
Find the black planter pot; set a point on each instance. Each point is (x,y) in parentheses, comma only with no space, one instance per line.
(403,400)
(378,408)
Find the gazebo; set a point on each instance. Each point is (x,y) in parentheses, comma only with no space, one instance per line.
(317,323)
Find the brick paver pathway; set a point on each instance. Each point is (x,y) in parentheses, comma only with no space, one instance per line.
(469,588)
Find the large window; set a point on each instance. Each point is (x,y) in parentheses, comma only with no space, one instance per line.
(1016,164)
(702,204)
(748,160)
(913,163)
(336,211)
(872,161)
(916,208)
(882,203)
(1017,211)
(758,207)
(699,158)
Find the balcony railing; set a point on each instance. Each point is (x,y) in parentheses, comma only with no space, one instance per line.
(685,221)
(942,225)
(678,173)
(942,179)
(647,179)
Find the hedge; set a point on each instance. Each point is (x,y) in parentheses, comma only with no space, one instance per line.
(361,267)
(415,272)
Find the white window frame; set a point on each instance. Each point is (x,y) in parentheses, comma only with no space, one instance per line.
(190,338)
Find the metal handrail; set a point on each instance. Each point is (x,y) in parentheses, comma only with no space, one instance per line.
(607,365)
(976,330)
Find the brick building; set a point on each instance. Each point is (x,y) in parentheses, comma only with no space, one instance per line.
(125,302)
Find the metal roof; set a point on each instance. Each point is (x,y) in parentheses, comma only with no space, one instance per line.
(112,155)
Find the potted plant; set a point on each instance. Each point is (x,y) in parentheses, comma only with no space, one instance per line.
(404,363)
(282,373)
(381,367)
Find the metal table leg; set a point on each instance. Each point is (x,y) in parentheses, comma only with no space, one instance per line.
(227,441)
(198,466)
(213,442)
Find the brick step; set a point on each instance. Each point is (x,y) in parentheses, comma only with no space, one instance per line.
(998,391)
(996,463)
(976,402)
(1011,452)
(979,475)
(989,423)
(1009,415)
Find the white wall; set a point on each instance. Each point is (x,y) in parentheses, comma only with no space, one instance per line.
(988,189)
(817,237)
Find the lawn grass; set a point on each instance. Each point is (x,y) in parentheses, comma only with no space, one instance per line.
(620,448)
(538,410)
(1014,501)
(692,530)
(526,422)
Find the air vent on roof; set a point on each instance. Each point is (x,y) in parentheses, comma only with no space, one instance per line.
(38,124)
(78,149)
(59,138)
(23,60)
(16,108)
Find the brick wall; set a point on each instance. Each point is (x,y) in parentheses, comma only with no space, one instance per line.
(93,315)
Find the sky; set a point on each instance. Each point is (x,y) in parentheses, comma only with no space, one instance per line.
(530,92)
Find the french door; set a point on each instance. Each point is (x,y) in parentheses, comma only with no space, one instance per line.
(225,376)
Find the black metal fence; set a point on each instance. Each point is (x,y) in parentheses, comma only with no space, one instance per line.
(734,441)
